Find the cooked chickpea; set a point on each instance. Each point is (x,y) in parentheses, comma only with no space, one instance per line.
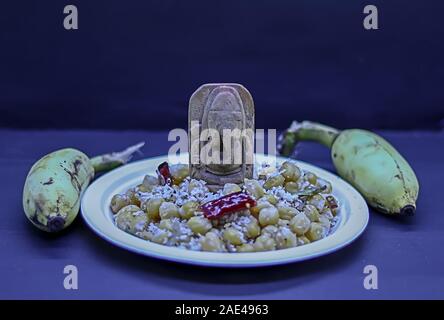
(311,178)
(160,237)
(311,212)
(145,235)
(285,239)
(283,223)
(318,201)
(195,184)
(132,195)
(149,182)
(231,188)
(188,209)
(303,240)
(268,216)
(325,222)
(269,198)
(129,209)
(269,231)
(233,236)
(316,232)
(151,207)
(254,188)
(291,187)
(286,211)
(253,228)
(265,171)
(141,187)
(166,224)
(328,213)
(199,224)
(168,210)
(212,242)
(274,181)
(246,247)
(290,171)
(131,219)
(215,231)
(264,243)
(179,172)
(300,224)
(261,203)
(119,201)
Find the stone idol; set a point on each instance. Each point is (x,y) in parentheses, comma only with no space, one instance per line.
(220,131)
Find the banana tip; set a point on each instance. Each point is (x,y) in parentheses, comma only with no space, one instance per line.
(56,224)
(408,210)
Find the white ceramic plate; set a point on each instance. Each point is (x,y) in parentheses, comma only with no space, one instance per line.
(95,210)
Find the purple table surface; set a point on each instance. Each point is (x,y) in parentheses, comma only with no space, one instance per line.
(407,252)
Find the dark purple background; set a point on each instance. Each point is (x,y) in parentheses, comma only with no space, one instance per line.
(135,64)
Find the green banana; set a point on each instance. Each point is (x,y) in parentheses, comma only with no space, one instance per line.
(55,184)
(371,164)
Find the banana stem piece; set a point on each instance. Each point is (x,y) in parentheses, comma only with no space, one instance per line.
(109,161)
(306,131)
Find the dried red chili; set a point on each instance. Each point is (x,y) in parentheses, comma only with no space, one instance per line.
(164,174)
(230,203)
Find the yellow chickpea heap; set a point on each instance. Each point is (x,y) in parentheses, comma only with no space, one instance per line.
(285,207)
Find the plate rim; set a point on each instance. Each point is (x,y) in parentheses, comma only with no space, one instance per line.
(190,257)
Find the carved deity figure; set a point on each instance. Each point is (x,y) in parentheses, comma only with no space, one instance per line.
(221,127)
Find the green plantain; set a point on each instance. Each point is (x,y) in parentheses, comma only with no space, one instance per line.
(55,184)
(370,163)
